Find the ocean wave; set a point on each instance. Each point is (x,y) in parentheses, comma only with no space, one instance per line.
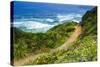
(49,20)
(32,25)
(36,25)
(44,24)
(69,17)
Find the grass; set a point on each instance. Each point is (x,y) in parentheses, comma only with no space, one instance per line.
(26,43)
(81,51)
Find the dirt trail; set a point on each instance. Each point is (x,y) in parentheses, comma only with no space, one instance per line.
(68,42)
(72,38)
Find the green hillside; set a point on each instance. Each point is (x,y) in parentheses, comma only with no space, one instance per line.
(83,49)
(26,43)
(89,22)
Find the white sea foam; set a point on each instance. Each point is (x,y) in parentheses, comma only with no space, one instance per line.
(69,17)
(36,25)
(44,24)
(49,20)
(33,25)
(17,24)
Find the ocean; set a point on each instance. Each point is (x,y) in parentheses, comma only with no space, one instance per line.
(40,17)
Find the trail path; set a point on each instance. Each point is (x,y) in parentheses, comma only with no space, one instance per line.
(72,38)
(68,42)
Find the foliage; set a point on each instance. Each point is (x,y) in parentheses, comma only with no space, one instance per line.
(83,49)
(89,22)
(25,43)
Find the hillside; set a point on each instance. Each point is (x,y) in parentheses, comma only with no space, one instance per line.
(89,22)
(27,43)
(84,48)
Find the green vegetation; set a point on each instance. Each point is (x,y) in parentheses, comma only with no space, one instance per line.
(27,43)
(82,50)
(89,22)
